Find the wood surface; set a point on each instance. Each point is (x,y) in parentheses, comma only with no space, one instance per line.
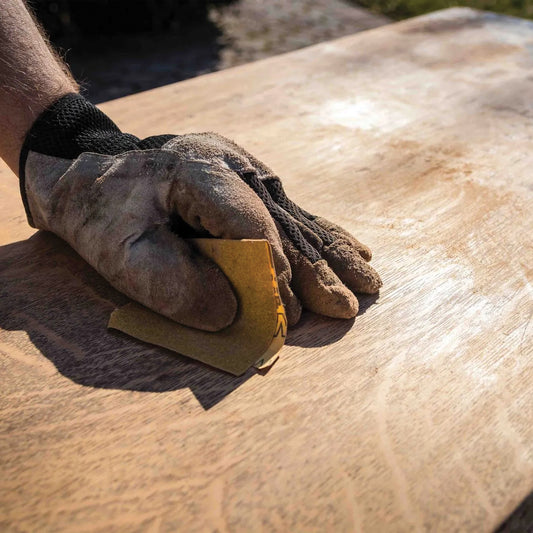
(416,416)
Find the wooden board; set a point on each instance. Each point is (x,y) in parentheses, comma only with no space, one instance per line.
(417,416)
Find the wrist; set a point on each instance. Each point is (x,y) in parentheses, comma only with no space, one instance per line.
(19,112)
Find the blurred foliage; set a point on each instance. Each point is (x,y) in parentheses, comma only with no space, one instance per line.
(400,9)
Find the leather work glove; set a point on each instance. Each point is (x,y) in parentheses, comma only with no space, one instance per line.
(127,206)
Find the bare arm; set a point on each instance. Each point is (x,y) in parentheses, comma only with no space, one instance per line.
(32,76)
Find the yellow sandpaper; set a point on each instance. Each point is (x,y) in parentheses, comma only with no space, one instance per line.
(259,329)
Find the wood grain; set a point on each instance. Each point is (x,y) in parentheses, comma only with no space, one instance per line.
(416,417)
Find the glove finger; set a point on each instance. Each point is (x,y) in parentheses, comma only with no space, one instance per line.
(340,233)
(351,268)
(344,254)
(346,261)
(327,231)
(216,199)
(317,286)
(286,223)
(165,274)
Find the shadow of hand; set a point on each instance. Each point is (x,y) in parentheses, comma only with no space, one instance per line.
(64,305)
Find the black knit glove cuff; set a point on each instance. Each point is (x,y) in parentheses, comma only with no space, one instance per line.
(71,126)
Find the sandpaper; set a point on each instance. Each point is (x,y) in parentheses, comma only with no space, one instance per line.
(258,331)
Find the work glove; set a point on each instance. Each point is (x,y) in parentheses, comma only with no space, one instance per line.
(128,206)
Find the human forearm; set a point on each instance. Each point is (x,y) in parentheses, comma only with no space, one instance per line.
(32,76)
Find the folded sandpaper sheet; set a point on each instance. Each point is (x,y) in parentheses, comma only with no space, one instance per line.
(258,331)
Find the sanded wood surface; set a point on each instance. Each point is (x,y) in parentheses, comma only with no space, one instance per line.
(418,137)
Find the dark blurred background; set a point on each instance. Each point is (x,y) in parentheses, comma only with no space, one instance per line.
(118,47)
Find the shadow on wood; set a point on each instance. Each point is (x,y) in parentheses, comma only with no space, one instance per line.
(315,330)
(63,305)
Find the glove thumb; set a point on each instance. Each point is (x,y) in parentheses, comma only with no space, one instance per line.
(167,275)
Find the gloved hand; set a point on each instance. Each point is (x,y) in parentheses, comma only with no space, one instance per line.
(127,205)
